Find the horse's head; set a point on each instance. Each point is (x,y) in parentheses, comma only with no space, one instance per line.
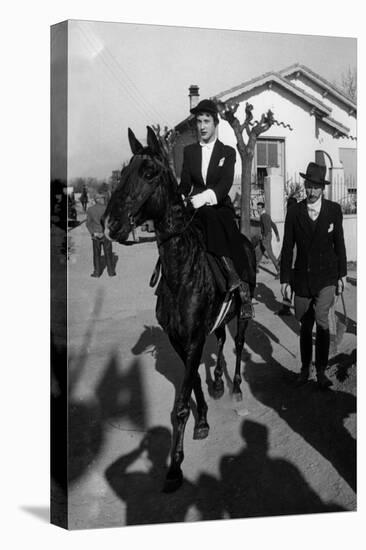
(138,196)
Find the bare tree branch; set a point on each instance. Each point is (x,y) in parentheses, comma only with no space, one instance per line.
(167,139)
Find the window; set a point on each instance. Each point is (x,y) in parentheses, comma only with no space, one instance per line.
(267,153)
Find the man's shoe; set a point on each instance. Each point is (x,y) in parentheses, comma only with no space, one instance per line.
(323,381)
(94,275)
(303,377)
(112,274)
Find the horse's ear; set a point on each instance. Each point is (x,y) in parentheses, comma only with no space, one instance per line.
(153,141)
(135,145)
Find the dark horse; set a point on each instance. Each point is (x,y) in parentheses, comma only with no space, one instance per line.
(188,296)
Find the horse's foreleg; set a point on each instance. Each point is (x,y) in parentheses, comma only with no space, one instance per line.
(239,344)
(218,385)
(201,428)
(175,477)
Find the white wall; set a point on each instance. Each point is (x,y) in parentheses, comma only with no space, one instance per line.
(350,236)
(300,140)
(340,111)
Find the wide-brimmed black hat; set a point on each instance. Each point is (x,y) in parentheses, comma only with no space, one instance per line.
(315,173)
(205,106)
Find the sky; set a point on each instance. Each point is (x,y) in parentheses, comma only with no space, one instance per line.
(131,75)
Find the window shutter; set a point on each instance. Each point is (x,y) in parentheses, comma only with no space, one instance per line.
(272,154)
(261,153)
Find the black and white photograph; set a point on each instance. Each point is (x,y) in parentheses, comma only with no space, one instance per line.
(210,323)
(181,307)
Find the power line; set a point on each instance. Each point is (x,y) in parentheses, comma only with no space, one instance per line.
(133,85)
(110,71)
(123,78)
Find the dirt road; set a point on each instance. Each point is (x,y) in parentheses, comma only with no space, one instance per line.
(281,450)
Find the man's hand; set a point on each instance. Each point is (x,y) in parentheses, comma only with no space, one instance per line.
(286,291)
(340,285)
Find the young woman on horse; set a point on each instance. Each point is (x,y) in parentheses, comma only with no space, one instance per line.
(189,300)
(206,179)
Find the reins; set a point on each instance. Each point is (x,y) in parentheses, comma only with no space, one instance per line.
(132,213)
(177,233)
(155,276)
(153,184)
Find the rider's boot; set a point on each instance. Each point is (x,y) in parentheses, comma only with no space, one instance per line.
(232,278)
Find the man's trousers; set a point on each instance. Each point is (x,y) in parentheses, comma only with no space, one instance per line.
(108,255)
(309,311)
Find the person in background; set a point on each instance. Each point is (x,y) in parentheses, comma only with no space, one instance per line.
(267,225)
(314,225)
(94,224)
(287,302)
(84,199)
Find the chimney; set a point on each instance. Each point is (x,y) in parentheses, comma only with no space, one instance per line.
(194,96)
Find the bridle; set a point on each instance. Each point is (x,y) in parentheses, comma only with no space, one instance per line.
(153,184)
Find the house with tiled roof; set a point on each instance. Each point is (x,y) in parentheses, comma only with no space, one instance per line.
(315,121)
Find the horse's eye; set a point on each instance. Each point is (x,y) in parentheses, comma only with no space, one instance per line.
(149,174)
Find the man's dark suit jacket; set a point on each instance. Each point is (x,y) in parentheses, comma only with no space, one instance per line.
(220,173)
(321,254)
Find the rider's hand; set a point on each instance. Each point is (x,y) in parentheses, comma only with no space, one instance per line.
(198,200)
(206,197)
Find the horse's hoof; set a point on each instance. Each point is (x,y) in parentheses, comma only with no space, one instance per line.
(201,432)
(238,396)
(173,483)
(218,390)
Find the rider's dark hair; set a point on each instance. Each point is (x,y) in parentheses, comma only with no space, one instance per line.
(215,116)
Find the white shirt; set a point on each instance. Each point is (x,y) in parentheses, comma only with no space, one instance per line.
(314,208)
(207,149)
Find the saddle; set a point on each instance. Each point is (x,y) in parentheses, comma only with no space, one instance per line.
(246,308)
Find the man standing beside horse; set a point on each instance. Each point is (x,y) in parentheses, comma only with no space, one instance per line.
(314,225)
(206,179)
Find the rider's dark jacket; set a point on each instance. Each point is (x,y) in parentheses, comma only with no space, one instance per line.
(220,173)
(217,222)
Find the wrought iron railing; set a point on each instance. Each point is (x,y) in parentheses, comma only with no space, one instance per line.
(342,190)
